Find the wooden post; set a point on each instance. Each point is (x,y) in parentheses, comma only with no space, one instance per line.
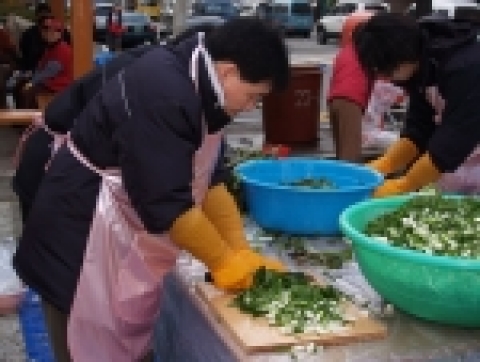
(58,9)
(82,36)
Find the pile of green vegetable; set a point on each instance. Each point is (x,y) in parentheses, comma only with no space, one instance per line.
(292,302)
(320,183)
(434,225)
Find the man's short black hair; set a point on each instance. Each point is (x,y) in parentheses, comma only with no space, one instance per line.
(387,40)
(42,8)
(256,48)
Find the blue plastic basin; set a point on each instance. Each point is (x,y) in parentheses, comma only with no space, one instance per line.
(303,210)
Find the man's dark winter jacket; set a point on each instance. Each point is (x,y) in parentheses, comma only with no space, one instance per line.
(147,121)
(451,62)
(59,117)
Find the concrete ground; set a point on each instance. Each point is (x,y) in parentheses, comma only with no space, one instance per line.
(11,343)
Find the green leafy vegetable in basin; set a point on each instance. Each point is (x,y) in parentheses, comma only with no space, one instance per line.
(434,225)
(292,302)
(320,183)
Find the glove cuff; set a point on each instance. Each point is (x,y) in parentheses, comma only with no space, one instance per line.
(193,232)
(398,156)
(221,209)
(422,173)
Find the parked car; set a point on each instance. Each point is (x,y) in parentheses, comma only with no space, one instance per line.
(463,9)
(192,21)
(291,16)
(224,8)
(165,25)
(137,27)
(331,24)
(101,12)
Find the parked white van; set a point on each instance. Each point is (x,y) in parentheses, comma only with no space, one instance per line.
(451,9)
(331,24)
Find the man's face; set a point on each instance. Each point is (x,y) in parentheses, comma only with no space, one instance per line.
(240,95)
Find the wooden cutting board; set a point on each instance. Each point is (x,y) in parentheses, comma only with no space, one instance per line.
(255,335)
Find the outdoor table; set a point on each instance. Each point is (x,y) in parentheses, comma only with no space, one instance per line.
(186,330)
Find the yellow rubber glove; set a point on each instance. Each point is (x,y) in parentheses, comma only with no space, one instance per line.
(220,208)
(422,173)
(231,269)
(397,157)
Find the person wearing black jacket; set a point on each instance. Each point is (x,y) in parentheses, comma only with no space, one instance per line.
(437,62)
(32,44)
(61,113)
(148,121)
(59,117)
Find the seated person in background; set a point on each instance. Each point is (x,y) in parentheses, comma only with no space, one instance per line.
(32,44)
(8,50)
(8,62)
(55,69)
(357,104)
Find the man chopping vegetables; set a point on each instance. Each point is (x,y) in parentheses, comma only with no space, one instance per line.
(140,178)
(436,61)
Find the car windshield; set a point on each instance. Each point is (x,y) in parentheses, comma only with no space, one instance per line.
(377,8)
(301,9)
(102,11)
(199,20)
(134,19)
(280,9)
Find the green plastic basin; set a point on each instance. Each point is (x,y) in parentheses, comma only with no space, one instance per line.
(436,288)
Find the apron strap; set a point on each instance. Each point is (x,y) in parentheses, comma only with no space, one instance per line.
(200,50)
(84,161)
(37,122)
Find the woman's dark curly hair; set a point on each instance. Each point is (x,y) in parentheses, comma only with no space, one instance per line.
(387,40)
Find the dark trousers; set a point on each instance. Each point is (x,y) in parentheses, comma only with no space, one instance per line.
(5,72)
(26,98)
(57,323)
(114,42)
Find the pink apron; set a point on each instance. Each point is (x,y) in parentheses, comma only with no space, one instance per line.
(118,292)
(37,123)
(465,179)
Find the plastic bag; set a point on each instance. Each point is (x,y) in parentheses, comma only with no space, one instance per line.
(384,95)
(10,284)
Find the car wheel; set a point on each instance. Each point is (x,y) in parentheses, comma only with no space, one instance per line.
(321,36)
